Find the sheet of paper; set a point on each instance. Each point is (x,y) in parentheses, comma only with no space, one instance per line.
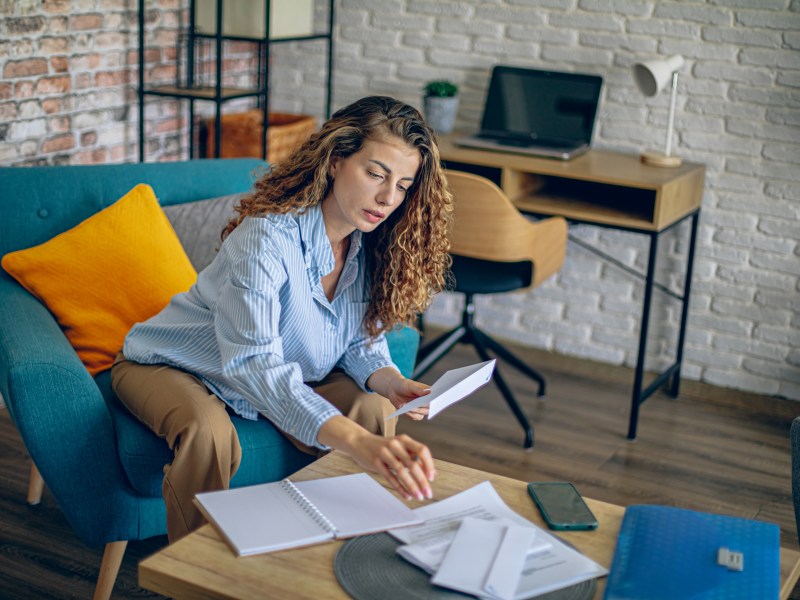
(356,504)
(506,570)
(426,544)
(485,558)
(260,518)
(428,554)
(280,515)
(444,517)
(552,568)
(454,385)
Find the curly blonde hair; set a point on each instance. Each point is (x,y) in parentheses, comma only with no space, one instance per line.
(407,258)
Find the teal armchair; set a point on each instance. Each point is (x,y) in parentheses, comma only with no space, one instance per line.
(102,466)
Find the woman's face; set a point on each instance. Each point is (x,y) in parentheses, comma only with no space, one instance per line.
(368,186)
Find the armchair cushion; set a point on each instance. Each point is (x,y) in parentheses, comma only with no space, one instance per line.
(266,455)
(477,276)
(118,267)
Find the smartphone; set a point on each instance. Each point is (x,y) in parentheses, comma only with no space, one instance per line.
(561,505)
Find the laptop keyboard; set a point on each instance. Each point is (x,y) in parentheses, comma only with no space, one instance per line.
(526,143)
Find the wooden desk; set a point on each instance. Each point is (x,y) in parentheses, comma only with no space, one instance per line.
(202,566)
(606,189)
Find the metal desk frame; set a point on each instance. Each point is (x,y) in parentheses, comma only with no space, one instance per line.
(613,190)
(639,395)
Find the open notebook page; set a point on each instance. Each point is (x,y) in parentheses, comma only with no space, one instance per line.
(361,506)
(260,518)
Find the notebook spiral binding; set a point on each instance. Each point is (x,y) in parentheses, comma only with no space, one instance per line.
(307,506)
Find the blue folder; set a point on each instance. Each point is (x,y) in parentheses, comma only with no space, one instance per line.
(673,553)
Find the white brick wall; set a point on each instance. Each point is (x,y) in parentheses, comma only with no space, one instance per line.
(738,112)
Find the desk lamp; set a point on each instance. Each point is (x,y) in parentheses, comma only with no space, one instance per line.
(651,77)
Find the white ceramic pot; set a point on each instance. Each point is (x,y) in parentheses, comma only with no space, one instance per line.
(440,113)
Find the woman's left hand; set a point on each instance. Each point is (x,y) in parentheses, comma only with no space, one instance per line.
(399,390)
(403,391)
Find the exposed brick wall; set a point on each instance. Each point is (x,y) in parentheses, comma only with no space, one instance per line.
(67,95)
(69,75)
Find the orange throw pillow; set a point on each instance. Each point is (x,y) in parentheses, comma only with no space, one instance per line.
(120,266)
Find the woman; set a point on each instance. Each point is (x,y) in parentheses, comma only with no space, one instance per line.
(340,243)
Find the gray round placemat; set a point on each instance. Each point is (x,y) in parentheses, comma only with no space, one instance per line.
(368,568)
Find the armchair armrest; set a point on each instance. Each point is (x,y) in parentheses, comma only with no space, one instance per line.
(61,416)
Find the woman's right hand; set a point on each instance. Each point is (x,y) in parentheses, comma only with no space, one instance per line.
(406,464)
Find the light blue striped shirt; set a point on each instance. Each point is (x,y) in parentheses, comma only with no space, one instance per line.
(257,324)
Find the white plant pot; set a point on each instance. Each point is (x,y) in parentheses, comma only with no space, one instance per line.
(440,113)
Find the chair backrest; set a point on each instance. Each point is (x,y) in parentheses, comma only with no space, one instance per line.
(795,444)
(38,203)
(488,226)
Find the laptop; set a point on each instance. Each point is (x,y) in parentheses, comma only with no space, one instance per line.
(540,113)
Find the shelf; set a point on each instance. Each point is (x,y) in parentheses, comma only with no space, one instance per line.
(587,201)
(280,40)
(575,209)
(203,93)
(259,89)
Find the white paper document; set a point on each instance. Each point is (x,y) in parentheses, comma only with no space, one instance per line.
(548,565)
(426,544)
(485,558)
(454,385)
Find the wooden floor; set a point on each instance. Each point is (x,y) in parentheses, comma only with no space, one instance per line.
(710,449)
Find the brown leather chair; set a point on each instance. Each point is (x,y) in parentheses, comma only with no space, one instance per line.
(495,249)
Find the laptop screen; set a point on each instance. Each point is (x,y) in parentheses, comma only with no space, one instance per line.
(541,105)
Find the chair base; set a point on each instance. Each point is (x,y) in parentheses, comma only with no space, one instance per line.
(467,333)
(112,555)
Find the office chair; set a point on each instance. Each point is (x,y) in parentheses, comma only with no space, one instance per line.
(495,249)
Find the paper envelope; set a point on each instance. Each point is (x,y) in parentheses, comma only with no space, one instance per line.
(451,387)
(486,558)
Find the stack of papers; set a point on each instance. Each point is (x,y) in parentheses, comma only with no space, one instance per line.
(486,558)
(474,543)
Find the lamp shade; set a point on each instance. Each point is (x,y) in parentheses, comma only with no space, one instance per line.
(651,76)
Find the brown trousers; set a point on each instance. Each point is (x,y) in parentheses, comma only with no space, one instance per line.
(195,423)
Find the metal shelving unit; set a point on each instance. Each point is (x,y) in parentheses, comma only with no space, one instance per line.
(217,93)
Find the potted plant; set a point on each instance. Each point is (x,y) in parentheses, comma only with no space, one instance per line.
(440,104)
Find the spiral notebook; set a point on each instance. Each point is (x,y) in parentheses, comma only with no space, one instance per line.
(285,514)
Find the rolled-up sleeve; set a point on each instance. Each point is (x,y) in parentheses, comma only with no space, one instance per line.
(246,322)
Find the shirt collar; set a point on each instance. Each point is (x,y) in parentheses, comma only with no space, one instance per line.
(316,245)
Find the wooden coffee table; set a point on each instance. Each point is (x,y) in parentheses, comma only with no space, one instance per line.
(202,566)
